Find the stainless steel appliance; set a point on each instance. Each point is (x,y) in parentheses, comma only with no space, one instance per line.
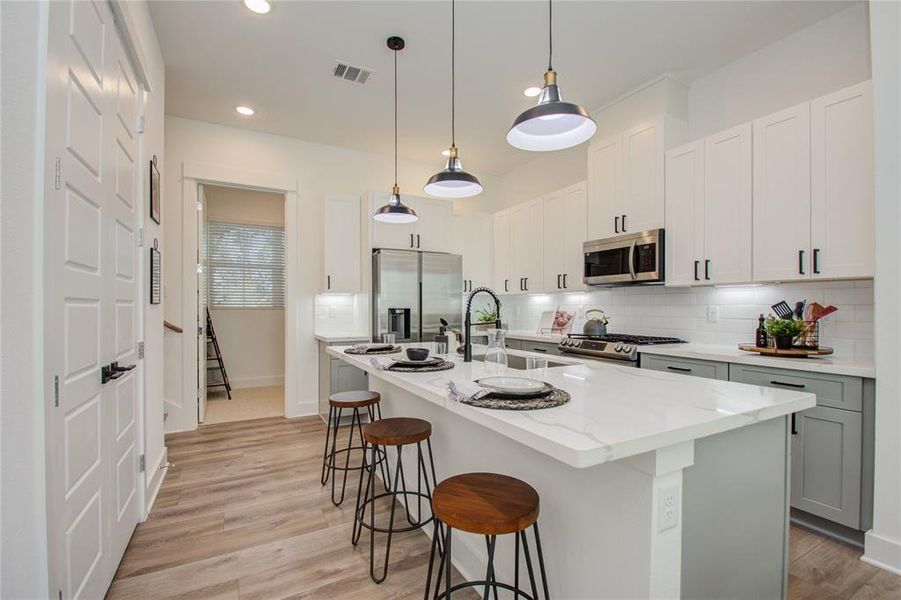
(412,291)
(612,347)
(625,259)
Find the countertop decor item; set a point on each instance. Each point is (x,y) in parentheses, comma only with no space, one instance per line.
(417,353)
(453,181)
(595,326)
(787,353)
(784,331)
(374,349)
(783,310)
(492,400)
(553,124)
(444,365)
(395,211)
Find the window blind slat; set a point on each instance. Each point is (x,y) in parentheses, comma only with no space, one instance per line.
(245,265)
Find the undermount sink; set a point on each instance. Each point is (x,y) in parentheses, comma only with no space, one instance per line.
(518,362)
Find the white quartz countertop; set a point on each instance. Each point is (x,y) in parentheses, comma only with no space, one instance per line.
(614,412)
(337,338)
(835,365)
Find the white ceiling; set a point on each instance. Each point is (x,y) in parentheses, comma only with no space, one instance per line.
(219,55)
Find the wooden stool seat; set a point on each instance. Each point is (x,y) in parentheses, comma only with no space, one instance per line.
(486,503)
(354,399)
(397,431)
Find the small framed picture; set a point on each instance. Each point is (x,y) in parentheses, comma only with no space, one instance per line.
(156,286)
(154,191)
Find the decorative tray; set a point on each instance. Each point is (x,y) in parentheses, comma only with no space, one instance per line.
(790,353)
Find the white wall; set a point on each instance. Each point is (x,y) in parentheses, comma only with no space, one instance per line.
(318,169)
(23,531)
(252,340)
(883,542)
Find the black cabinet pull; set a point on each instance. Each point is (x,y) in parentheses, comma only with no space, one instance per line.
(816,261)
(564,280)
(328,282)
(521,284)
(801,262)
(680,369)
(539,349)
(417,240)
(615,224)
(558,281)
(697,264)
(506,285)
(707,269)
(794,425)
(799,386)
(411,240)
(525,283)
(624,223)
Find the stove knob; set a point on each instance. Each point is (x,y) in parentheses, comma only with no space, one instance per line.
(619,348)
(626,349)
(577,343)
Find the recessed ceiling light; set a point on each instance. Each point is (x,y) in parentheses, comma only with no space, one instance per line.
(531,92)
(258,6)
(244,110)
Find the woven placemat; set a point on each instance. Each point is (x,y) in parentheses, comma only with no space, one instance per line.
(442,366)
(393,350)
(556,398)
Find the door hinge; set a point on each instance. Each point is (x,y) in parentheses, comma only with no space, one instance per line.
(141,463)
(140,349)
(139,126)
(57,168)
(56,391)
(141,237)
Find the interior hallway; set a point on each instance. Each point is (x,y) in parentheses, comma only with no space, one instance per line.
(245,404)
(242,515)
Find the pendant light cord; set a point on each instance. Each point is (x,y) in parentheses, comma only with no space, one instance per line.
(550,35)
(453,74)
(395,118)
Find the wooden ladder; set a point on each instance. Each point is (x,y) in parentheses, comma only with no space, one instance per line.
(217,356)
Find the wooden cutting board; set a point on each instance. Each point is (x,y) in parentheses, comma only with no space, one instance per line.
(791,353)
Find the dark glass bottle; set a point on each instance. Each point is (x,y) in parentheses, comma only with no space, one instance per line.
(761,339)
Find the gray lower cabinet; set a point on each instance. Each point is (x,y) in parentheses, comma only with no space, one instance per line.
(686,366)
(513,344)
(337,376)
(543,347)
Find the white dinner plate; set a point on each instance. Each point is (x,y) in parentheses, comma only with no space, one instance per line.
(406,362)
(513,385)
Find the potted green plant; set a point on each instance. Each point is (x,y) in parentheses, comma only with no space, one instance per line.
(784,331)
(486,317)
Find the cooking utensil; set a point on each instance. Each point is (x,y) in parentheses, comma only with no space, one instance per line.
(595,326)
(826,311)
(782,310)
(799,309)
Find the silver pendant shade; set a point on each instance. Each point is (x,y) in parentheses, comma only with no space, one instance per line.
(453,181)
(395,211)
(553,124)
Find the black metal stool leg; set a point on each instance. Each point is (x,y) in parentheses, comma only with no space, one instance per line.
(360,509)
(516,569)
(541,562)
(525,551)
(428,577)
(490,541)
(397,478)
(325,453)
(447,563)
(355,418)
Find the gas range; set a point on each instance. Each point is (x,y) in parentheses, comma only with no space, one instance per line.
(611,346)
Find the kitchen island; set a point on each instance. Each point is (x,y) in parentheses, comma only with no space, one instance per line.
(652,485)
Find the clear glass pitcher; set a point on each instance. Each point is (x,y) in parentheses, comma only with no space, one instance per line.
(496,354)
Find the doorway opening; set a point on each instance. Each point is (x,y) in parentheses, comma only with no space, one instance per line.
(241,290)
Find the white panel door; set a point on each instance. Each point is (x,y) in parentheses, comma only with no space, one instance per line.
(390,235)
(503,267)
(91,300)
(685,214)
(727,206)
(554,233)
(643,177)
(432,230)
(782,195)
(604,187)
(341,244)
(575,233)
(842,191)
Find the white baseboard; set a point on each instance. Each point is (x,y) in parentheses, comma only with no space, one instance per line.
(303,409)
(156,481)
(249,382)
(882,552)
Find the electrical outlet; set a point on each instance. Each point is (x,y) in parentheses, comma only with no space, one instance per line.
(713,314)
(667,507)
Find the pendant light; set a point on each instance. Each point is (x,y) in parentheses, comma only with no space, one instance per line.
(395,211)
(453,181)
(552,124)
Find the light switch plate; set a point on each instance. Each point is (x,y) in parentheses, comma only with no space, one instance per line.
(713,314)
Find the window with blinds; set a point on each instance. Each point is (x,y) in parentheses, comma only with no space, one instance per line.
(245,265)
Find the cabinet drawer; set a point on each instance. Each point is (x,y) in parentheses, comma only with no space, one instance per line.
(686,366)
(835,391)
(513,344)
(543,347)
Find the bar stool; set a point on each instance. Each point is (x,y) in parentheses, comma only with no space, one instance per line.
(337,403)
(378,436)
(486,504)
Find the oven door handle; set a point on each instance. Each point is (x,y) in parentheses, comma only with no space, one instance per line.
(632,259)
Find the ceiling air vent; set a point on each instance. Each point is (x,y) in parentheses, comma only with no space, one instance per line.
(352,73)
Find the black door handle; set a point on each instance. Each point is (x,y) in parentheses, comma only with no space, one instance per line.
(794,425)
(411,240)
(615,224)
(115,367)
(624,223)
(558,281)
(697,264)
(707,269)
(564,280)
(801,262)
(526,283)
(417,240)
(328,282)
(816,261)
(108,373)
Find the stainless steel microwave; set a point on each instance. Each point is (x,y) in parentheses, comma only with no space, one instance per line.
(625,259)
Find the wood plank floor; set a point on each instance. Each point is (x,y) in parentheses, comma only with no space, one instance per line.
(243,515)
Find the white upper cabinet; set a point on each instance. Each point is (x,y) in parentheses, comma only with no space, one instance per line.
(554,228)
(842,190)
(782,195)
(473,240)
(626,178)
(503,252)
(527,233)
(431,232)
(727,217)
(341,244)
(564,232)
(684,214)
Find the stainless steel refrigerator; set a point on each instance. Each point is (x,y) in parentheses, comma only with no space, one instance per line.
(412,290)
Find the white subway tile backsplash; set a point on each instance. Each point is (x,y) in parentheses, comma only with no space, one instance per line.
(682,312)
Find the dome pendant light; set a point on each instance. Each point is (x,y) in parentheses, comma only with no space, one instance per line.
(453,181)
(552,124)
(395,211)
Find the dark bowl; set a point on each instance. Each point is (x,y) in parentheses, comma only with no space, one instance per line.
(417,353)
